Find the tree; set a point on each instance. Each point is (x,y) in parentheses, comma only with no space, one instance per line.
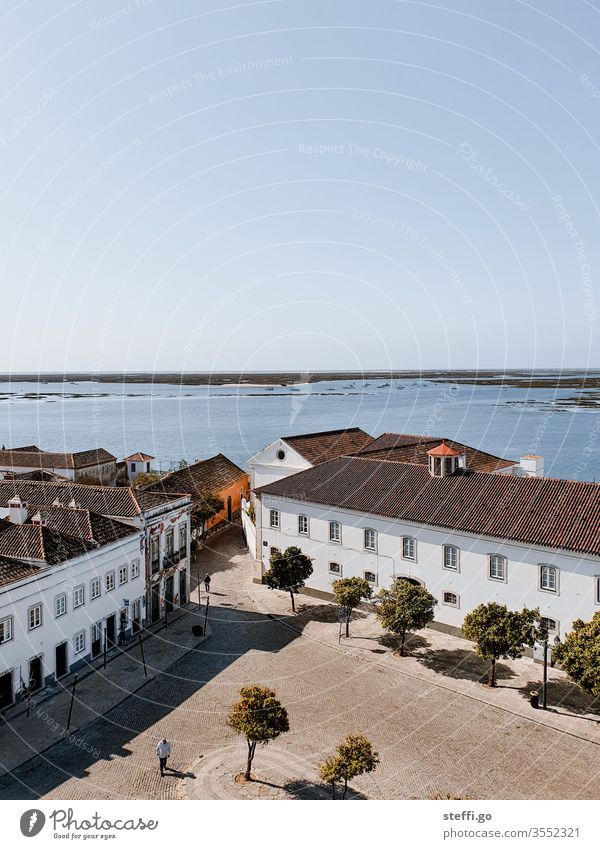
(260,717)
(349,593)
(405,607)
(288,571)
(355,756)
(207,505)
(499,632)
(579,655)
(145,479)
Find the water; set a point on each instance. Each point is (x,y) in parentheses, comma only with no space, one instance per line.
(193,422)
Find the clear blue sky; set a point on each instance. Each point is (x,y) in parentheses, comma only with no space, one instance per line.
(299,184)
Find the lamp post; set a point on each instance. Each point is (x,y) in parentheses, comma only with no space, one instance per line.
(545,684)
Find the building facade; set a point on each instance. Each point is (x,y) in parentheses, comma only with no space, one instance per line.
(96,465)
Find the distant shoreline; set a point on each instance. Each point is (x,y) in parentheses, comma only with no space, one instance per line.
(541,378)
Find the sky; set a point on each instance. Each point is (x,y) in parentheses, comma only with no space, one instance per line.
(293,184)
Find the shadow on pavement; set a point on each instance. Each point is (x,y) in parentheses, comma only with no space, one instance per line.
(461,663)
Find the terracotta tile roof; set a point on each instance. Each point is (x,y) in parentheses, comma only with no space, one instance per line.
(545,512)
(37,459)
(207,476)
(408,448)
(33,542)
(138,458)
(15,570)
(443,450)
(116,501)
(324,446)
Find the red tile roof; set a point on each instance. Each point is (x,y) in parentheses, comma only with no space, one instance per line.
(545,512)
(138,458)
(37,459)
(15,570)
(408,448)
(206,476)
(443,450)
(325,445)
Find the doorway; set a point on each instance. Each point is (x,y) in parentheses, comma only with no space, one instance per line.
(35,674)
(229,511)
(155,603)
(96,639)
(111,631)
(60,667)
(182,587)
(169,593)
(136,621)
(6,690)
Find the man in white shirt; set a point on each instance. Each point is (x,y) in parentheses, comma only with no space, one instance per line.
(163,750)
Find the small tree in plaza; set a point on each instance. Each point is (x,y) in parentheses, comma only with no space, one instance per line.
(579,655)
(288,571)
(349,593)
(405,607)
(206,507)
(499,632)
(260,717)
(355,756)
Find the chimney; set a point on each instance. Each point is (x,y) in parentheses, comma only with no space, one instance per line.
(39,519)
(74,505)
(532,466)
(17,511)
(57,503)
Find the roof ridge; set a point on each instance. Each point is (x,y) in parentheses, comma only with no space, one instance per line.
(326,433)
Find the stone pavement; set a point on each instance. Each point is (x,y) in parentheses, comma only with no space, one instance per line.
(433,739)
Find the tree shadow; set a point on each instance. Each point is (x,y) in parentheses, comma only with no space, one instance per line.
(176,773)
(412,643)
(461,663)
(304,789)
(566,698)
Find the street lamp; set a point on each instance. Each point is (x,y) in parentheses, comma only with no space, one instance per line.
(545,684)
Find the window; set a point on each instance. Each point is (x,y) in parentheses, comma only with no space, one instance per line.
(110,581)
(123,575)
(274,550)
(551,625)
(274,518)
(597,582)
(451,599)
(95,589)
(497,567)
(147,468)
(79,642)
(335,569)
(155,553)
(370,539)
(303,525)
(135,569)
(371,577)
(182,540)
(34,616)
(132,467)
(281,455)
(60,605)
(548,578)
(6,630)
(78,596)
(335,532)
(451,557)
(170,542)
(409,548)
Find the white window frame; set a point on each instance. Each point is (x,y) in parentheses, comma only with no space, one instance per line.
(7,621)
(126,572)
(556,572)
(78,592)
(60,598)
(335,532)
(451,603)
(337,572)
(95,582)
(370,572)
(274,550)
(303,522)
(449,547)
(34,607)
(114,583)
(366,533)
(406,540)
(135,569)
(556,629)
(597,589)
(81,636)
(274,519)
(504,562)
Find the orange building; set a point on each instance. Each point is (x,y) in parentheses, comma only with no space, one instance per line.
(216,476)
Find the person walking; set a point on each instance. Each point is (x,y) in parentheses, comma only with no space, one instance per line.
(207,583)
(163,751)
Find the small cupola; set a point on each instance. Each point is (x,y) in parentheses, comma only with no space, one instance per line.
(444,461)
(18,511)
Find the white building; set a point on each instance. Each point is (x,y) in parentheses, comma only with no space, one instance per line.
(163,519)
(71,581)
(97,464)
(139,464)
(469,537)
